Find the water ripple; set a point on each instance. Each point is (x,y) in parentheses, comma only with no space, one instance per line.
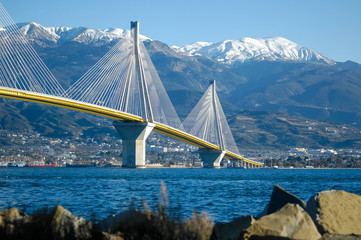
(95,193)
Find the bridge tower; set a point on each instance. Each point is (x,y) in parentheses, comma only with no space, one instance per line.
(207,121)
(213,158)
(135,134)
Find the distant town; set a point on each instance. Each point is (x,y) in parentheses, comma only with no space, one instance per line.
(162,151)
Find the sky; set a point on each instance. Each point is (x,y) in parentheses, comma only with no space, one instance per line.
(330,27)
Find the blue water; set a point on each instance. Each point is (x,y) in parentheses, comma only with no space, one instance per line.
(95,193)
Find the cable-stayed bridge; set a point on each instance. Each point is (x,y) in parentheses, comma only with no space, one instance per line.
(124,86)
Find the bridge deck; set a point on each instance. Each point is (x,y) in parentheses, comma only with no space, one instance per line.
(113,114)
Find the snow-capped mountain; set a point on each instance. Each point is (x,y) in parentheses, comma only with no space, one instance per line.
(250,49)
(58,35)
(229,51)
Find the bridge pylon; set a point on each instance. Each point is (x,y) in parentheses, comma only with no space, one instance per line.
(125,80)
(207,121)
(135,134)
(213,158)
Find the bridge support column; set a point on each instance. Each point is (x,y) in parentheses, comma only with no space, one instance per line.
(211,159)
(134,135)
(236,163)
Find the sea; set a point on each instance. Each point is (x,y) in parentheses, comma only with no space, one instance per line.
(223,194)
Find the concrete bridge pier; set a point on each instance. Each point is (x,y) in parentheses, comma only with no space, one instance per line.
(236,163)
(211,159)
(134,135)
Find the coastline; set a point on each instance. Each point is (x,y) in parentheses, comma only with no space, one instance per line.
(171,167)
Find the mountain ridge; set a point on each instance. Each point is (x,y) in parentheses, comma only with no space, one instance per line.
(250,49)
(228,51)
(58,35)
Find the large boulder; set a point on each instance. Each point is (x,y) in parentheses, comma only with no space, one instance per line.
(336,212)
(223,231)
(280,198)
(11,220)
(65,225)
(291,222)
(112,223)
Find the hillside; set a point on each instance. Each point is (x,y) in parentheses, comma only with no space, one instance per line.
(274,130)
(260,130)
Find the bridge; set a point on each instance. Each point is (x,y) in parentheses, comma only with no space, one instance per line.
(123,86)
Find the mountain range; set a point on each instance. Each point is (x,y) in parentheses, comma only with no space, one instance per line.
(55,36)
(250,49)
(229,51)
(271,76)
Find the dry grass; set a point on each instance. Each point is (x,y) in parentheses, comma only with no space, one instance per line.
(159,225)
(140,224)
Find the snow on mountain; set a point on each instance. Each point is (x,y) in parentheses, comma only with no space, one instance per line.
(58,35)
(229,51)
(250,49)
(193,48)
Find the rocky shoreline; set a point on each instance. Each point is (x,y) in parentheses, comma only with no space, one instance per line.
(328,215)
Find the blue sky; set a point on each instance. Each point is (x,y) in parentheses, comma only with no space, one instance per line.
(330,27)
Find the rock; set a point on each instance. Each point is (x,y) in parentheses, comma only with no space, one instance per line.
(11,219)
(291,222)
(280,198)
(106,236)
(111,223)
(336,212)
(328,236)
(65,225)
(232,229)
